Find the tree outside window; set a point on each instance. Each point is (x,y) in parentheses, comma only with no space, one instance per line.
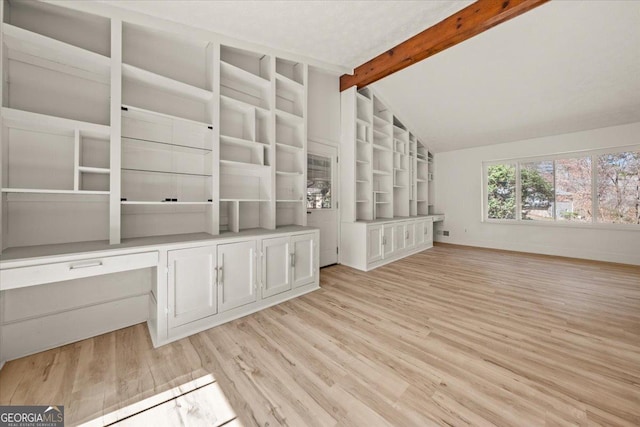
(619,188)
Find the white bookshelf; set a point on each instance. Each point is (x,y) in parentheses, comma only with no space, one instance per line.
(115,130)
(386,169)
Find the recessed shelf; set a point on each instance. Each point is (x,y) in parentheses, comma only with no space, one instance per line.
(169,116)
(288,173)
(289,200)
(421,180)
(165,84)
(362,162)
(242,142)
(185,148)
(35,121)
(88,169)
(289,118)
(289,147)
(290,84)
(244,106)
(380,192)
(381,134)
(245,200)
(363,122)
(362,141)
(245,77)
(243,165)
(379,172)
(133,202)
(362,201)
(166,172)
(362,181)
(380,147)
(39,46)
(47,191)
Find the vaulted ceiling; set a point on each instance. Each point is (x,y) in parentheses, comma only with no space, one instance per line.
(344,33)
(564,66)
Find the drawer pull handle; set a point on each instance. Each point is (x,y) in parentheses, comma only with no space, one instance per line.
(85,265)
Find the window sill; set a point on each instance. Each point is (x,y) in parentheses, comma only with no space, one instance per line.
(591,226)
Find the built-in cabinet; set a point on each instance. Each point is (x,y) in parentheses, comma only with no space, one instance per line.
(389,241)
(179,288)
(113,130)
(386,175)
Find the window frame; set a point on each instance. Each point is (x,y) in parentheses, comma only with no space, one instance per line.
(593,224)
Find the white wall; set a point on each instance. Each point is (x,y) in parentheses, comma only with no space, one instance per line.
(324,106)
(458,187)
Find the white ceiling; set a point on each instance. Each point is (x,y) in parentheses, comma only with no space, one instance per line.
(345,33)
(563,67)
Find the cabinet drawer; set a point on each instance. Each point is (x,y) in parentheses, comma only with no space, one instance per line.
(47,273)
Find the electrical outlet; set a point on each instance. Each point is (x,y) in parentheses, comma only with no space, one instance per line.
(445,233)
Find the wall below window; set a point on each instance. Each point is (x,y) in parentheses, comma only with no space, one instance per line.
(458,179)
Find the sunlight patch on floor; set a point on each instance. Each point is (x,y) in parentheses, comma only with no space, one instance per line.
(200,402)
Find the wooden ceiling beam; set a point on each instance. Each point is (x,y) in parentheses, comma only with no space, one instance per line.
(468,22)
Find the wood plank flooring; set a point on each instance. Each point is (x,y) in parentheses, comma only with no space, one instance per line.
(450,336)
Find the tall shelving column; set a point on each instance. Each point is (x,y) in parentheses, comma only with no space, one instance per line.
(291,91)
(55,155)
(382,164)
(246,138)
(167,134)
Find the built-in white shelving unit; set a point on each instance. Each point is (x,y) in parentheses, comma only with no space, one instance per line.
(385,178)
(386,169)
(114,130)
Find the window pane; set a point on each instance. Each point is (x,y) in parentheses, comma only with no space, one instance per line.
(318,182)
(619,188)
(501,191)
(536,181)
(573,190)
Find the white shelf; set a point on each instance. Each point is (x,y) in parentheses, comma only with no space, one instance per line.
(362,162)
(168,116)
(241,105)
(245,200)
(88,169)
(165,84)
(361,141)
(382,134)
(243,76)
(380,147)
(362,201)
(379,172)
(243,165)
(362,181)
(132,202)
(289,83)
(46,191)
(242,142)
(289,147)
(363,122)
(289,200)
(39,46)
(35,121)
(289,118)
(288,173)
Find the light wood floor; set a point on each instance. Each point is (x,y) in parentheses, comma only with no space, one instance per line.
(450,336)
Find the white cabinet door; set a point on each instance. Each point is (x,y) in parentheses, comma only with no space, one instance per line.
(276,266)
(374,243)
(192,287)
(387,240)
(399,236)
(303,259)
(236,274)
(410,234)
(419,231)
(428,233)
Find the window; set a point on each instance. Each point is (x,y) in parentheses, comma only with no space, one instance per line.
(619,188)
(537,195)
(318,182)
(573,190)
(502,191)
(597,187)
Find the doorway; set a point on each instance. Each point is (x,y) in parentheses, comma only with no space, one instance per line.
(322,198)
